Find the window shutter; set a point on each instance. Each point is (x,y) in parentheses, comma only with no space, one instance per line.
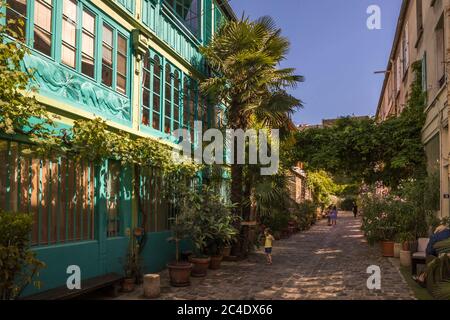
(424,72)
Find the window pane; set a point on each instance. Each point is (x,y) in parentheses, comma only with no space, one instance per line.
(146,79)
(16,12)
(121,84)
(107,76)
(121,64)
(43,15)
(88,44)
(69,32)
(87,66)
(122,44)
(156,121)
(156,103)
(145,116)
(107,56)
(70,9)
(20,6)
(156,84)
(146,98)
(43,41)
(88,21)
(68,56)
(107,35)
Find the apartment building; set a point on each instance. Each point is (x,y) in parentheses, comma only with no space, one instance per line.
(136,64)
(422,36)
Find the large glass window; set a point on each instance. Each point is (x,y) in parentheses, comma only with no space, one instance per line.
(17,11)
(69,33)
(185,118)
(188,12)
(146,74)
(43,26)
(168,100)
(88,44)
(122,64)
(107,56)
(176,100)
(156,93)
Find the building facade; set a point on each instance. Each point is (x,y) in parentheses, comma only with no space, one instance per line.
(137,65)
(422,36)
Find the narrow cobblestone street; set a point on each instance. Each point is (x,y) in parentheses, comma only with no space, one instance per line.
(322,263)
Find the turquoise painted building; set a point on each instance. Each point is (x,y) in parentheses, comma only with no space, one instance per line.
(136,64)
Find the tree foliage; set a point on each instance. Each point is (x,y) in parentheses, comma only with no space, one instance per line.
(18,264)
(368,151)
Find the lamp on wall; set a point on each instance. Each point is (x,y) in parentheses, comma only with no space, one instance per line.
(382,72)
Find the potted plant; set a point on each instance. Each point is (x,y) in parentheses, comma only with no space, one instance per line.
(380,224)
(387,244)
(132,267)
(222,234)
(211,229)
(179,271)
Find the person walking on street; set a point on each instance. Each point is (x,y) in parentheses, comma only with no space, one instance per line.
(355,209)
(333,215)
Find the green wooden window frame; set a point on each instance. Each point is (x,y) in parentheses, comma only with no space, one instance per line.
(219,17)
(81,31)
(168,98)
(189,18)
(152,90)
(127,4)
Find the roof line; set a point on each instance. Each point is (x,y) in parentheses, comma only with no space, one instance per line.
(225,6)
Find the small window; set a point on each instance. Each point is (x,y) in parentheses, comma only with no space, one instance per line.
(107,56)
(43,26)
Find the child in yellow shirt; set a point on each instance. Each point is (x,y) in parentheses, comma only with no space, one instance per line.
(268,245)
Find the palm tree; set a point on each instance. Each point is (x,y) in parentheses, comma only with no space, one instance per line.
(245,56)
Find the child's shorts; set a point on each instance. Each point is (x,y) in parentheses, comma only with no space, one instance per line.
(268,250)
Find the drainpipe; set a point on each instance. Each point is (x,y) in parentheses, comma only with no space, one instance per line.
(447,60)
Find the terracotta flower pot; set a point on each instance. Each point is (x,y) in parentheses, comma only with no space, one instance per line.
(128,285)
(226,252)
(180,274)
(387,248)
(215,262)
(405,258)
(200,266)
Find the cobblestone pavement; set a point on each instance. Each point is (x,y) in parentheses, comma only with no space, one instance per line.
(322,263)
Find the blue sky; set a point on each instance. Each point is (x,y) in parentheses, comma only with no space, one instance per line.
(333,48)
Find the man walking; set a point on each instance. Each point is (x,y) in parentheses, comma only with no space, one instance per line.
(355,209)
